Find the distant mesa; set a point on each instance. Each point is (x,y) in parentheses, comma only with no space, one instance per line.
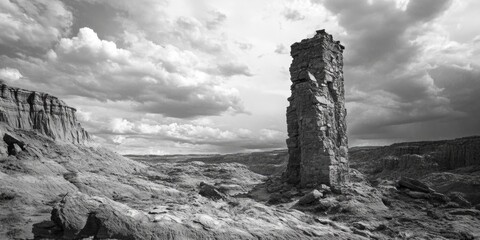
(41,112)
(317,141)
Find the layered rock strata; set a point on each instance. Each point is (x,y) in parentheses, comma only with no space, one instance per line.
(317,141)
(437,155)
(41,112)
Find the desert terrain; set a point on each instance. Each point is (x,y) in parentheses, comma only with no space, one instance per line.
(72,188)
(227,120)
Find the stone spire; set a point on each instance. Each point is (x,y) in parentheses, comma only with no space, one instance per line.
(317,140)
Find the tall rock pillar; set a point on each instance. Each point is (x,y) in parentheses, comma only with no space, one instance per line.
(317,140)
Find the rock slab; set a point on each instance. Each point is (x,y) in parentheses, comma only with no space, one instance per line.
(317,141)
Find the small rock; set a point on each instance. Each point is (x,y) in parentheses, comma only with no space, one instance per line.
(435,214)
(167,217)
(206,221)
(326,204)
(159,210)
(459,198)
(324,188)
(17,149)
(439,197)
(211,192)
(417,195)
(310,198)
(324,221)
(363,233)
(387,202)
(359,225)
(275,198)
(413,185)
(469,212)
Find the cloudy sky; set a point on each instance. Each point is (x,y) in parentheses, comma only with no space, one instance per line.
(193,76)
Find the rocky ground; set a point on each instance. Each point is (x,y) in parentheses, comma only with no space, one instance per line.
(53,190)
(59,190)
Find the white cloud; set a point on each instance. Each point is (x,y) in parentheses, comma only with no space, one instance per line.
(10,74)
(86,46)
(293,14)
(119,125)
(118,139)
(281,49)
(32,25)
(154,78)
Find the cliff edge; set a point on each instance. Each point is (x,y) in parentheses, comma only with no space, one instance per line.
(41,112)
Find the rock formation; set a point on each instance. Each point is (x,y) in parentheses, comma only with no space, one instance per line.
(317,140)
(46,114)
(433,155)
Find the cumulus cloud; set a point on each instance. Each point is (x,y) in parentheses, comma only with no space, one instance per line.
(248,46)
(229,69)
(10,74)
(153,78)
(292,15)
(281,49)
(215,20)
(204,137)
(32,26)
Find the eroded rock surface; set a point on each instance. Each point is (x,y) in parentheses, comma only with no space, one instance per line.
(46,114)
(419,157)
(317,140)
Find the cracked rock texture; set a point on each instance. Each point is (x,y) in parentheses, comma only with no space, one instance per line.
(317,140)
(46,114)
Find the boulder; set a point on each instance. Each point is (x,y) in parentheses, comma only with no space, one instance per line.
(14,144)
(276,198)
(413,185)
(80,216)
(459,198)
(310,198)
(211,192)
(417,195)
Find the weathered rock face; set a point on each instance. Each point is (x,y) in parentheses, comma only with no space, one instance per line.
(428,155)
(41,112)
(317,140)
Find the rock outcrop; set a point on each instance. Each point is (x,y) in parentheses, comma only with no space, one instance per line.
(428,155)
(317,140)
(46,114)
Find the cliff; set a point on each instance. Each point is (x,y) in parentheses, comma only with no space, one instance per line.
(418,157)
(41,112)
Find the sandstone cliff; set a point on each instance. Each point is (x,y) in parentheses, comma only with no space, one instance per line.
(418,157)
(46,114)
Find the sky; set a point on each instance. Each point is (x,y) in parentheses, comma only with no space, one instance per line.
(211,76)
